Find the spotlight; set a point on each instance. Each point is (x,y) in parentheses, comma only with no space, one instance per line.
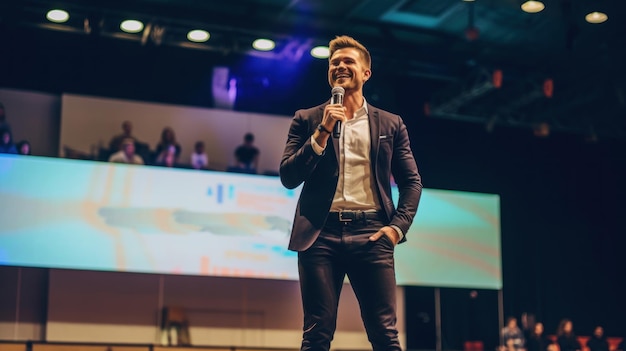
(131,26)
(596,17)
(320,52)
(264,44)
(532,6)
(198,35)
(57,16)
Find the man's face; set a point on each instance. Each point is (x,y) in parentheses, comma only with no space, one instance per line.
(347,68)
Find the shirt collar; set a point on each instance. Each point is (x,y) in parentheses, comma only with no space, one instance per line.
(362,111)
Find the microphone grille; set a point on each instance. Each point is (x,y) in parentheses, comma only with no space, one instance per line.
(338,91)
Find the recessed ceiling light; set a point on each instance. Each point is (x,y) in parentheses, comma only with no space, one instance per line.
(596,17)
(264,44)
(131,26)
(320,52)
(532,6)
(57,16)
(198,35)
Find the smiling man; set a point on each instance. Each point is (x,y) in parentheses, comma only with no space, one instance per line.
(345,221)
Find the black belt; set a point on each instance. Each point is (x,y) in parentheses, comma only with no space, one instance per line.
(353,216)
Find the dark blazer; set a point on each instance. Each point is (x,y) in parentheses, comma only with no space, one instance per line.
(390,153)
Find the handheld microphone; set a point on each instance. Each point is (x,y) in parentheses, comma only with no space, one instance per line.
(337,98)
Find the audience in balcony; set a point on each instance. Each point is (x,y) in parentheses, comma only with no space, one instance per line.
(566,339)
(598,341)
(126,148)
(127,153)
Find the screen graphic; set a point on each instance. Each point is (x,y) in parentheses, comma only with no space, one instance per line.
(60,213)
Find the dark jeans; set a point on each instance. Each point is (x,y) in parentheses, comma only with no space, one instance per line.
(345,249)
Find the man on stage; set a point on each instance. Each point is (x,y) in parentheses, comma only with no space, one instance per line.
(345,222)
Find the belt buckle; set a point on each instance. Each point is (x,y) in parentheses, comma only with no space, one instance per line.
(342,219)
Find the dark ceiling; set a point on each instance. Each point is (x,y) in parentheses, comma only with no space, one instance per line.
(414,43)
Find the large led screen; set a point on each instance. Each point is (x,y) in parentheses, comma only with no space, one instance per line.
(75,214)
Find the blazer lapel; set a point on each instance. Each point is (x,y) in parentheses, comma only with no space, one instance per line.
(374,135)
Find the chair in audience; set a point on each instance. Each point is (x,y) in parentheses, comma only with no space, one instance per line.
(614,343)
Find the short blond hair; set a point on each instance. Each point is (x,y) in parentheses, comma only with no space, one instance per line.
(343,42)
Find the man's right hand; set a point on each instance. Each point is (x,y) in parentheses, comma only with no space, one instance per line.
(332,114)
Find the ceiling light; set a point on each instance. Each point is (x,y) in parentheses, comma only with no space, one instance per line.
(57,16)
(131,26)
(596,17)
(198,35)
(320,52)
(263,44)
(532,6)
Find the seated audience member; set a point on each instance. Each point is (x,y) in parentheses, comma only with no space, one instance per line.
(127,133)
(566,338)
(199,158)
(598,341)
(23,148)
(168,139)
(167,157)
(247,155)
(537,341)
(512,335)
(127,154)
(4,125)
(6,142)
